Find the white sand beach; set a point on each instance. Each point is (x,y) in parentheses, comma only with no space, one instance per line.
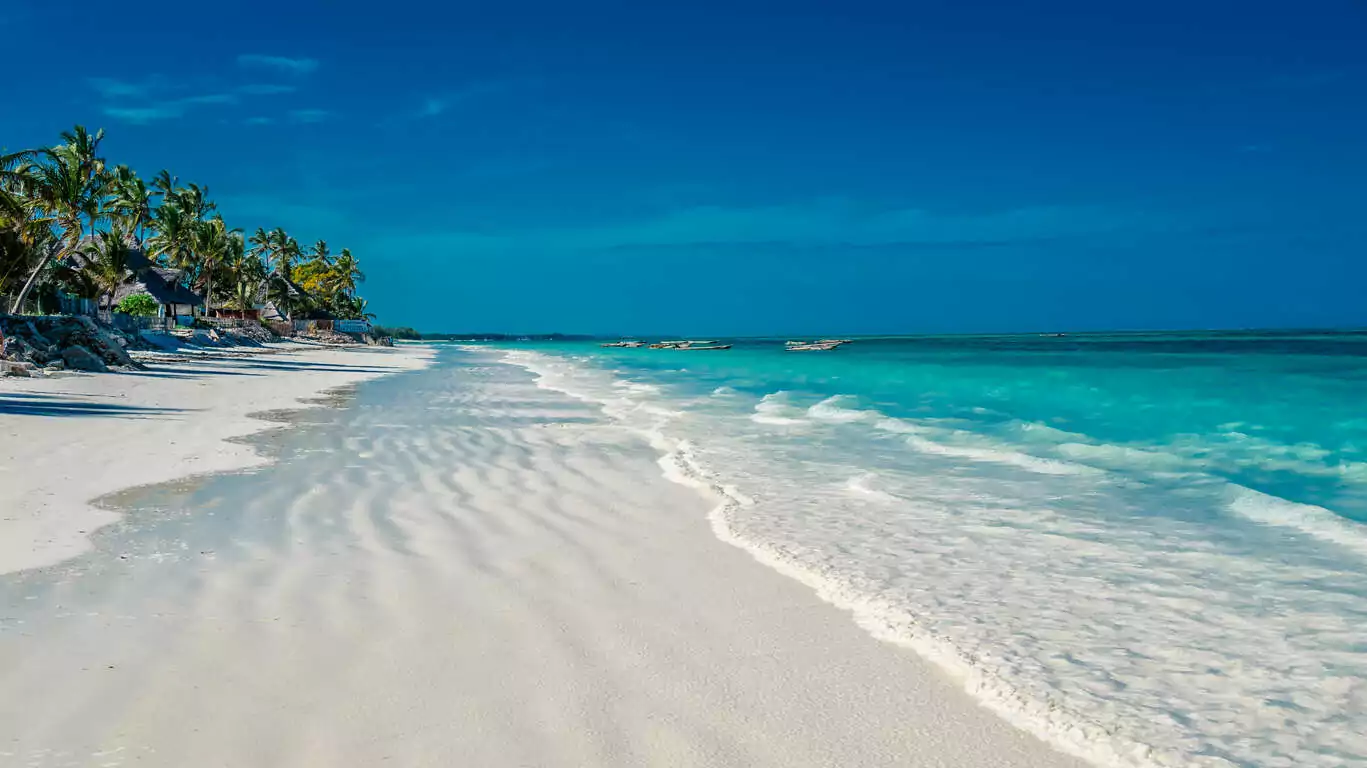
(457,568)
(67,440)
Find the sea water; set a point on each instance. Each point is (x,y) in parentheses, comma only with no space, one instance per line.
(1146,549)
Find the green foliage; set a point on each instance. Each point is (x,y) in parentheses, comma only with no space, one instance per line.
(397,333)
(138,305)
(60,201)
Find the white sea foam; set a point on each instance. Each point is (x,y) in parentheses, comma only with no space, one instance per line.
(1305,518)
(1101,616)
(1122,457)
(836,409)
(776,409)
(1001,456)
(863,485)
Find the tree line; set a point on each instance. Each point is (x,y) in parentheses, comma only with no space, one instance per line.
(70,221)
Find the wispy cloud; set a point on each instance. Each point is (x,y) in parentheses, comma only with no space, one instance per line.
(293,66)
(433,107)
(209,98)
(265,89)
(112,88)
(145,115)
(309,115)
(439,104)
(156,99)
(259,121)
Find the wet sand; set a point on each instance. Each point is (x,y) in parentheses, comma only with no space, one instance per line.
(454,567)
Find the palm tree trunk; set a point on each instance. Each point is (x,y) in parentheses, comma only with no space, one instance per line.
(28,284)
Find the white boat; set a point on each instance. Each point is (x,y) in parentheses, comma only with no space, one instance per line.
(686,344)
(817,347)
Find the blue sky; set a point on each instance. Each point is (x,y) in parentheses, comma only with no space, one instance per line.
(738,167)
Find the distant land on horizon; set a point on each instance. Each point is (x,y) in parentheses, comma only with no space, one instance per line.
(412,334)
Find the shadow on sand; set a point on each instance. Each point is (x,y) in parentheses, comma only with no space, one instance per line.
(32,404)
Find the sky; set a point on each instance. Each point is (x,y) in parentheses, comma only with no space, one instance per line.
(744,168)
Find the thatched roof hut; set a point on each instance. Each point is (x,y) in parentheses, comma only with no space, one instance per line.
(165,286)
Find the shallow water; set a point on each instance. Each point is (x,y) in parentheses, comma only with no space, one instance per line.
(1147,548)
(455,562)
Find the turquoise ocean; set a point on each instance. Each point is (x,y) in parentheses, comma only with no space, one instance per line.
(1149,549)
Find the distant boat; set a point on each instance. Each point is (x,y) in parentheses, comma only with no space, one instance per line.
(817,347)
(702,348)
(625,344)
(693,345)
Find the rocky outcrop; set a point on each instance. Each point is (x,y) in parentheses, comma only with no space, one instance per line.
(78,358)
(257,333)
(44,340)
(22,370)
(328,336)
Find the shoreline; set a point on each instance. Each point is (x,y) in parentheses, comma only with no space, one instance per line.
(81,437)
(468,565)
(1069,733)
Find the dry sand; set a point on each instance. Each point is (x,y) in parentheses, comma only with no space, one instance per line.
(67,440)
(456,569)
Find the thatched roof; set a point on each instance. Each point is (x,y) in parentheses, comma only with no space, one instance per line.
(162,284)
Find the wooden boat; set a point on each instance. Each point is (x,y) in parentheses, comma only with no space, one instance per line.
(689,345)
(812,347)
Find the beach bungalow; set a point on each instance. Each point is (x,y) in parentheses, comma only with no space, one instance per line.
(166,286)
(260,307)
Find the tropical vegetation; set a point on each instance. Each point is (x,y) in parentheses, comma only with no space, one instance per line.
(71,222)
(403,333)
(137,305)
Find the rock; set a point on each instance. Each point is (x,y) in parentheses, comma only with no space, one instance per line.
(22,370)
(43,340)
(203,338)
(55,365)
(78,358)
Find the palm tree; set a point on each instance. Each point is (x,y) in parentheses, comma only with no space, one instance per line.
(285,252)
(68,183)
(194,201)
(173,236)
(261,244)
(106,264)
(131,199)
(346,273)
(215,245)
(247,272)
(15,177)
(321,254)
(54,201)
(164,184)
(354,308)
(21,224)
(22,246)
